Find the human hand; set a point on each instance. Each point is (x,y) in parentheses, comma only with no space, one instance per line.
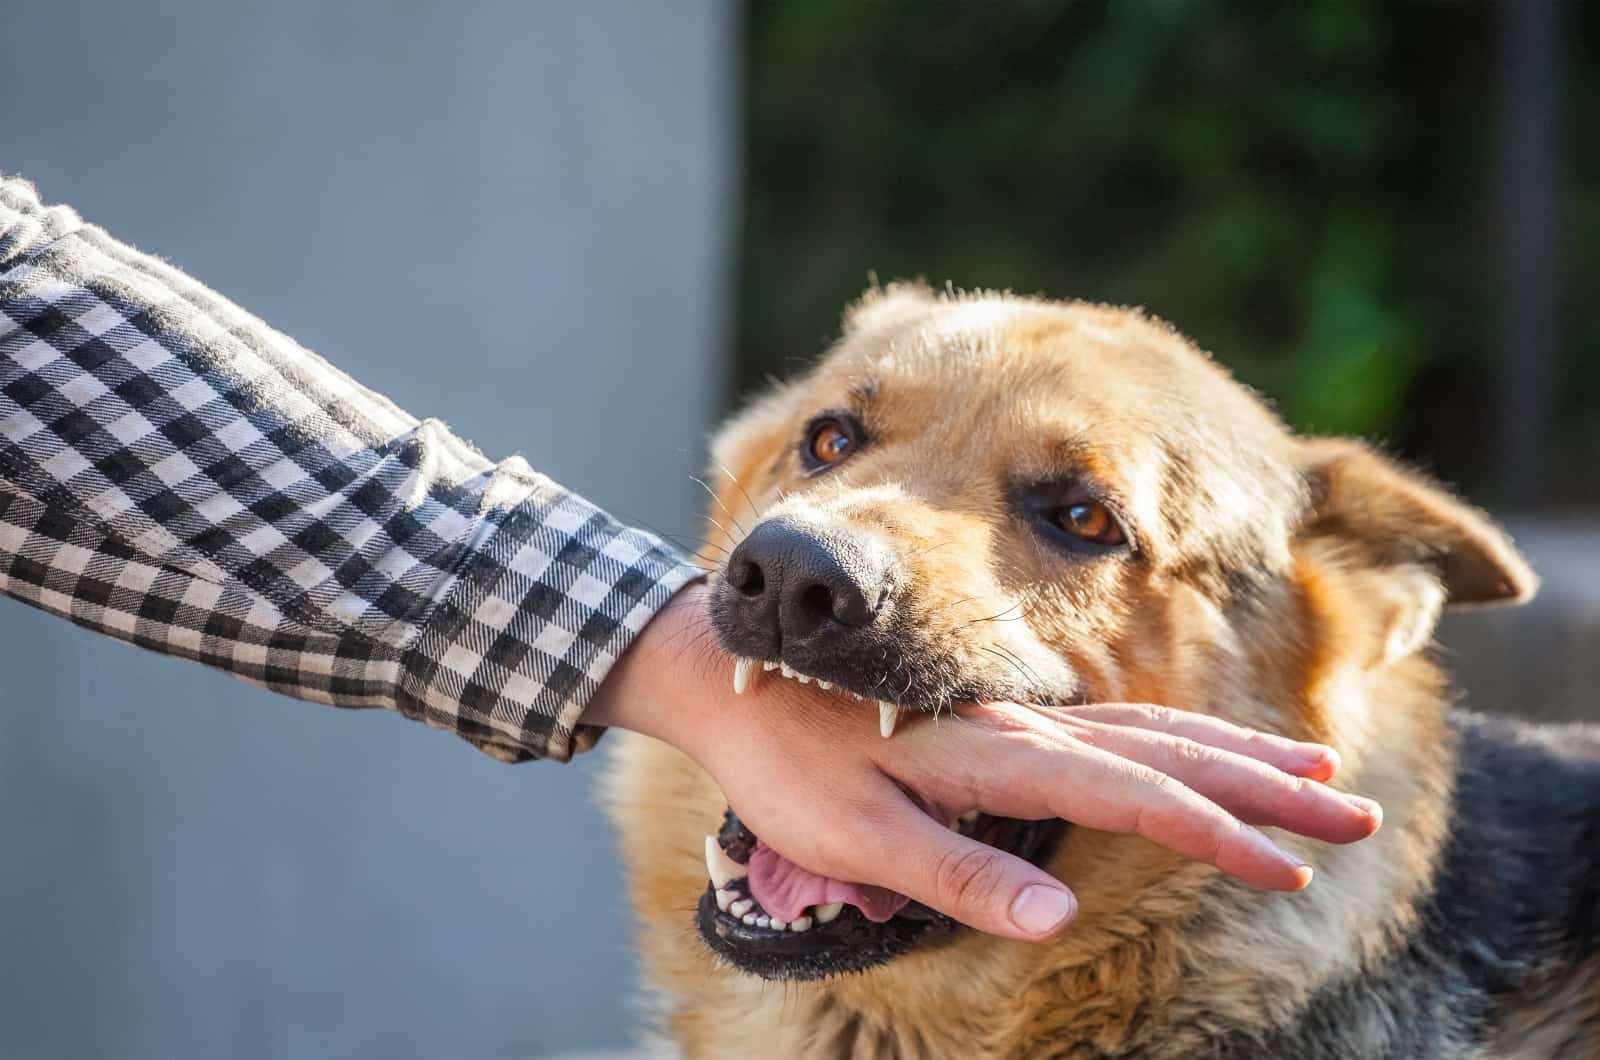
(808,772)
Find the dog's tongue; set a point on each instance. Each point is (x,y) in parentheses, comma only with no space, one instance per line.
(784,889)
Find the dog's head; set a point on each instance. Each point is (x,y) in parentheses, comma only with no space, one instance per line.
(985,497)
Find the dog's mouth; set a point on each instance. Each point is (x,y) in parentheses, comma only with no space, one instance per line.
(772,918)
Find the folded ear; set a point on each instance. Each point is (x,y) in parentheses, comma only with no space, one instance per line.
(1397,518)
(898,303)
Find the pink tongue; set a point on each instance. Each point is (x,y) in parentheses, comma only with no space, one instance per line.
(784,889)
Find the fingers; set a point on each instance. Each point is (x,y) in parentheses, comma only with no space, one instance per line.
(977,884)
(1312,760)
(1115,794)
(1070,779)
(1250,789)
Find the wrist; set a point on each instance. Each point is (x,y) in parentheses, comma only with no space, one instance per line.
(666,679)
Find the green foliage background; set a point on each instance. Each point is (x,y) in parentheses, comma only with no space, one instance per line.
(1306,189)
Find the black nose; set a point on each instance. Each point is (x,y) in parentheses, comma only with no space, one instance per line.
(789,581)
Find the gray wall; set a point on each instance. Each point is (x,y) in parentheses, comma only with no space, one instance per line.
(512,216)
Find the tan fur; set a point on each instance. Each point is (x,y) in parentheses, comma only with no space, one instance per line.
(968,392)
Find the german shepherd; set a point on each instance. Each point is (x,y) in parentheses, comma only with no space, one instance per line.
(1155,534)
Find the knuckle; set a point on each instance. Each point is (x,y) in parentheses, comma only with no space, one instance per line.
(1163,716)
(1190,753)
(1247,738)
(1160,784)
(966,878)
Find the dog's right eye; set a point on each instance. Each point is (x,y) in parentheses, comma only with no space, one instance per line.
(1092,522)
(1069,512)
(829,440)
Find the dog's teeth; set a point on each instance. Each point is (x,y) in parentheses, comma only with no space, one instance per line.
(749,918)
(725,899)
(802,678)
(826,686)
(719,866)
(769,666)
(742,906)
(741,675)
(775,924)
(788,671)
(826,913)
(970,817)
(888,717)
(802,924)
(763,921)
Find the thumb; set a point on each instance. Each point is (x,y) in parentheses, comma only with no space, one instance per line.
(977,884)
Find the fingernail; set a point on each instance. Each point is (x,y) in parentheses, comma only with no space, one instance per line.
(1323,756)
(1302,877)
(1039,909)
(1367,806)
(1293,862)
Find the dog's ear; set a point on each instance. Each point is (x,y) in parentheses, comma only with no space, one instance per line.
(879,307)
(1440,550)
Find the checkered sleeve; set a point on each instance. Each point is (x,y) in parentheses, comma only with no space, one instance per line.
(177,474)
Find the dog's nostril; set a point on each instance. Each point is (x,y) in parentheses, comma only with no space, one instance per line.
(817,600)
(747,578)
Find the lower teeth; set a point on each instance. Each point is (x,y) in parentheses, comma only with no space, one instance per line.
(723,881)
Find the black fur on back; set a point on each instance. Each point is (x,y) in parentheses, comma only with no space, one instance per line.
(1514,910)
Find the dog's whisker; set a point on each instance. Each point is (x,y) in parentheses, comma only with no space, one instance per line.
(995,617)
(1036,683)
(713,521)
(936,612)
(754,508)
(1013,663)
(733,518)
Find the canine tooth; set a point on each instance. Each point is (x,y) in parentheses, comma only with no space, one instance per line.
(725,899)
(769,666)
(719,865)
(802,924)
(741,675)
(970,817)
(776,924)
(749,918)
(742,906)
(826,913)
(888,717)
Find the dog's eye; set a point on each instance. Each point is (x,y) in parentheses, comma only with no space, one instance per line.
(1091,521)
(829,441)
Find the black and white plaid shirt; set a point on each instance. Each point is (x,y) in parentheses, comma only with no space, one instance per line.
(177,474)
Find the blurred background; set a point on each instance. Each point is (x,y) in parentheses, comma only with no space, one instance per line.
(1384,216)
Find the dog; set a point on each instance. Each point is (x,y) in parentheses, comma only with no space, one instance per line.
(1155,534)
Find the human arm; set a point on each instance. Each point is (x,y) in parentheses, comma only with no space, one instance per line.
(175,473)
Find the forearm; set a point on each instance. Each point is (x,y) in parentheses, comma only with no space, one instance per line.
(177,473)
